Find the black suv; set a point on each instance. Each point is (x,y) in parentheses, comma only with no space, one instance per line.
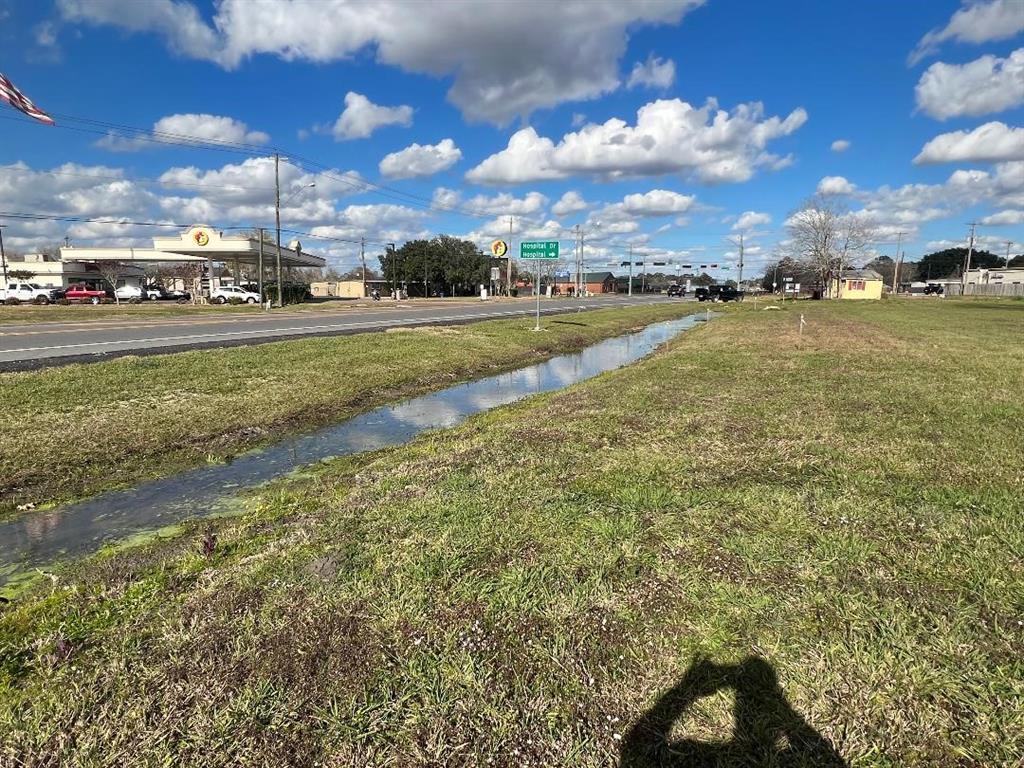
(676,290)
(718,293)
(933,288)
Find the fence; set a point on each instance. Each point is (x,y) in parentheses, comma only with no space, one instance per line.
(985,289)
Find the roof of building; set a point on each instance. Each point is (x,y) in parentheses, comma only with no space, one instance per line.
(861,274)
(198,243)
(588,277)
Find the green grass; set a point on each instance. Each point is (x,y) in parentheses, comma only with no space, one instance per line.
(845,506)
(75,430)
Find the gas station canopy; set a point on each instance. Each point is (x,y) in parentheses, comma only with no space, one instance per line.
(199,243)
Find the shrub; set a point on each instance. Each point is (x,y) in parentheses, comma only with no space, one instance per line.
(64,302)
(235,300)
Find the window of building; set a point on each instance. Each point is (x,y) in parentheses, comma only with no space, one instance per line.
(855,285)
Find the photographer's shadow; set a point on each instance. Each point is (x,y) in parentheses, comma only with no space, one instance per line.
(767,731)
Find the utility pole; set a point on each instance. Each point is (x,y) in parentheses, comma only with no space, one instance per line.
(970,252)
(393,260)
(1008,244)
(277,218)
(3,256)
(739,282)
(899,258)
(630,270)
(508,261)
(362,259)
(576,258)
(260,233)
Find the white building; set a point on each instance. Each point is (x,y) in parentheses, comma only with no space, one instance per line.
(994,282)
(52,273)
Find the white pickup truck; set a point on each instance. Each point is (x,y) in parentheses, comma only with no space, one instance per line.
(27,293)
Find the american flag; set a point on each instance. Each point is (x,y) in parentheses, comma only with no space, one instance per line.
(21,102)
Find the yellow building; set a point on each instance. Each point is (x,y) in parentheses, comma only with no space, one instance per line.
(858,284)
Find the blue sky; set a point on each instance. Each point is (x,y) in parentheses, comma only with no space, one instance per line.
(725,108)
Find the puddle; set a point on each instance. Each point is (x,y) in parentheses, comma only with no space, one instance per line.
(72,530)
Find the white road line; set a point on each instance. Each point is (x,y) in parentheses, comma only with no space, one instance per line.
(274,332)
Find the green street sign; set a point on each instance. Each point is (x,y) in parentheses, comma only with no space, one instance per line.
(538,249)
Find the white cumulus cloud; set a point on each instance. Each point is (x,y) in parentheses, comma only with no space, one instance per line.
(532,202)
(991,142)
(186,129)
(571,202)
(980,87)
(751,219)
(361,117)
(670,136)
(835,185)
(840,145)
(653,73)
(976,22)
(623,217)
(418,160)
(506,59)
(1003,218)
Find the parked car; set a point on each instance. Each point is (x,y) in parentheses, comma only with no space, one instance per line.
(676,290)
(81,292)
(934,289)
(129,293)
(701,293)
(26,293)
(154,292)
(226,293)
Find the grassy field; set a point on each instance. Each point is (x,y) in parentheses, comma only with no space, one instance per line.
(78,429)
(766,549)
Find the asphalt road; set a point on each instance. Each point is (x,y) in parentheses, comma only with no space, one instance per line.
(35,345)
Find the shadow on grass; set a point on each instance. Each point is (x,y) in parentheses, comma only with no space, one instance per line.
(767,731)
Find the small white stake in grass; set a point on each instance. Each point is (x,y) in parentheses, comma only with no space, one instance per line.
(802,324)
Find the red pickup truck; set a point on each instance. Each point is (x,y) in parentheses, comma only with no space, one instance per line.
(83,292)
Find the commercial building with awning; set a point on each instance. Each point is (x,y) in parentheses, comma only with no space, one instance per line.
(198,244)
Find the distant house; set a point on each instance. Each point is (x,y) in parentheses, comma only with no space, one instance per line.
(594,282)
(858,284)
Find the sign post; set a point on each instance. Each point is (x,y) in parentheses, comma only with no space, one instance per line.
(538,251)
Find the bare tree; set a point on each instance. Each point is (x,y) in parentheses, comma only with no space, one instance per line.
(110,271)
(827,237)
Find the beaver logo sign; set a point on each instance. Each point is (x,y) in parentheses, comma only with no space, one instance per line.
(201,237)
(499,248)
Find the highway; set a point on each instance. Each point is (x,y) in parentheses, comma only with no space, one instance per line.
(35,345)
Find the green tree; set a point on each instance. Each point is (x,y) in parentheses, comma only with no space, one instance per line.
(446,263)
(950,263)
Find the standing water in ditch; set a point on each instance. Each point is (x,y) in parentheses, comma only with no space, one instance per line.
(40,538)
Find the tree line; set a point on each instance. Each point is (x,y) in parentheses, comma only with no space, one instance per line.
(825,240)
(444,265)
